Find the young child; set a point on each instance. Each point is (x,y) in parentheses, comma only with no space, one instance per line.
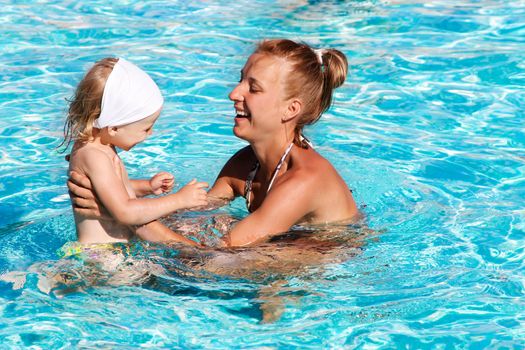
(116,105)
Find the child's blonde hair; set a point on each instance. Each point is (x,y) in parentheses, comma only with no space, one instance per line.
(85,106)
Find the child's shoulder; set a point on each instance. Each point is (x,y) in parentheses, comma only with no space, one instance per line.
(88,153)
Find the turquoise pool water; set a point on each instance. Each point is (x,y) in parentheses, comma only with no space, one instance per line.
(428,131)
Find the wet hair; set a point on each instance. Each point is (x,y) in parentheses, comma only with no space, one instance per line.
(85,105)
(313,77)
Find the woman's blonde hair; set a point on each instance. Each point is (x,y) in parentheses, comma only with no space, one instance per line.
(85,106)
(313,77)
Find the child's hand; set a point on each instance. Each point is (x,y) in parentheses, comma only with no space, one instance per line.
(162,183)
(194,194)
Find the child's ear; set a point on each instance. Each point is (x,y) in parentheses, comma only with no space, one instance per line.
(112,130)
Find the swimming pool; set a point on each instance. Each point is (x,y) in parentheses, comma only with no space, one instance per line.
(428,131)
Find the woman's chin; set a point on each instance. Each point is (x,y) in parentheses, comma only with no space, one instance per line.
(237,131)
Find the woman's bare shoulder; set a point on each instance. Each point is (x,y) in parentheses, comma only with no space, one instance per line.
(317,180)
(311,162)
(315,173)
(240,162)
(230,181)
(243,155)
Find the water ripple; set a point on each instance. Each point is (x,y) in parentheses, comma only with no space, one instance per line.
(427,131)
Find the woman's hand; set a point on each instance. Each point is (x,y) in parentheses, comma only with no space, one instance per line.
(162,183)
(84,200)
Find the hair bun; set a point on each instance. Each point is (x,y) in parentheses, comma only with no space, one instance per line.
(336,67)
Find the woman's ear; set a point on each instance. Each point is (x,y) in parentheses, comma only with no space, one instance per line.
(293,110)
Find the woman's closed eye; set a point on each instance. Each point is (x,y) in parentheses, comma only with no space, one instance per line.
(254,89)
(254,85)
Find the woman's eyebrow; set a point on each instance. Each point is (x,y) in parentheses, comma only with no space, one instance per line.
(255,81)
(251,80)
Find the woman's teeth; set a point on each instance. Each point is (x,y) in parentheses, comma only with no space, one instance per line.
(242,114)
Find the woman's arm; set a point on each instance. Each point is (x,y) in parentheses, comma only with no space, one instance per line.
(285,205)
(230,178)
(223,187)
(157,232)
(221,192)
(84,201)
(230,181)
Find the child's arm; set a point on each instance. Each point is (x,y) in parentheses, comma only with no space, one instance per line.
(141,187)
(158,184)
(85,203)
(110,189)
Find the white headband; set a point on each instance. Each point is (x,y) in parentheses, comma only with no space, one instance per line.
(129,96)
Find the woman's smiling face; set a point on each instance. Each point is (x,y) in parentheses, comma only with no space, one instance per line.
(259,98)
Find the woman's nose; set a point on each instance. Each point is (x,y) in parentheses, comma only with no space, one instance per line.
(236,93)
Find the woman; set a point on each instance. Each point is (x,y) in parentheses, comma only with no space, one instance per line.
(284,86)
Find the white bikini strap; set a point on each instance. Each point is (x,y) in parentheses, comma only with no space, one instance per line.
(279,165)
(251,177)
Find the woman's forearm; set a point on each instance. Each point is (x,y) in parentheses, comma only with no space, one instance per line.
(157,232)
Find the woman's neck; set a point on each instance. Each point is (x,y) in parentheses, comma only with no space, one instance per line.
(269,154)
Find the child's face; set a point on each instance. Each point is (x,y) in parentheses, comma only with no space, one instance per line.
(127,136)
